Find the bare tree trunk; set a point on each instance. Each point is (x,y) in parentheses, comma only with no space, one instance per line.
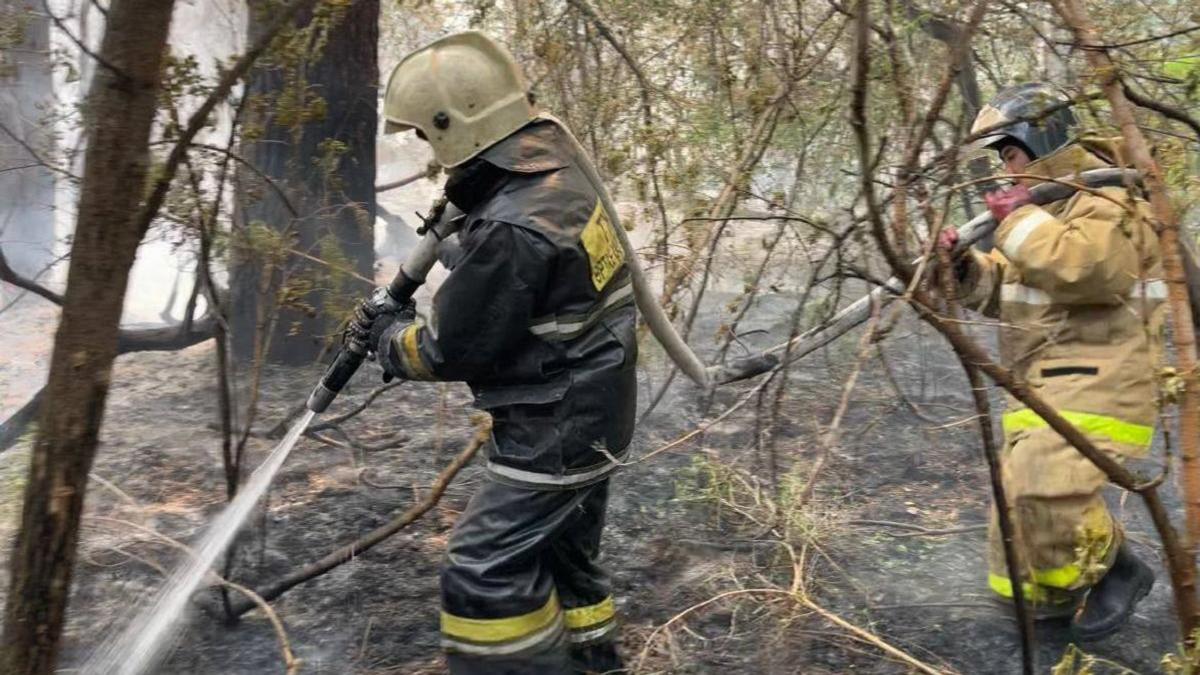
(1109,76)
(121,104)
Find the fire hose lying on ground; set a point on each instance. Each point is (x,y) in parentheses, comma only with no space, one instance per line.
(414,270)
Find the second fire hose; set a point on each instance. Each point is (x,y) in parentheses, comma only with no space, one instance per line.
(415,268)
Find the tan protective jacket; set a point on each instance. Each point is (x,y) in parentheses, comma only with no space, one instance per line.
(1077,285)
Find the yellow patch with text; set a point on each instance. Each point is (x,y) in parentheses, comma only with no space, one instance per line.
(605,254)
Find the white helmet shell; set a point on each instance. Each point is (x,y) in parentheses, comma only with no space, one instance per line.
(463,92)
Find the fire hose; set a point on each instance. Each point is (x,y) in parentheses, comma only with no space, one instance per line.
(413,272)
(969,234)
(443,222)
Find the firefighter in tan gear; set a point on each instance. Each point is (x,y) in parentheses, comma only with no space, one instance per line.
(1077,286)
(537,317)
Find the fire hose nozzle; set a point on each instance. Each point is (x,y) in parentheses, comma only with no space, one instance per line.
(349,358)
(320,398)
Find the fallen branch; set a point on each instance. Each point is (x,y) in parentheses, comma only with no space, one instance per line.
(867,636)
(917,530)
(366,542)
(362,405)
(701,605)
(870,638)
(289,659)
(799,594)
(164,339)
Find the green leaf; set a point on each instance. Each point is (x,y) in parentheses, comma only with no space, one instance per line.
(1183,68)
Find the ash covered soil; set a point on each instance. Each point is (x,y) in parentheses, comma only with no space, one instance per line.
(893,539)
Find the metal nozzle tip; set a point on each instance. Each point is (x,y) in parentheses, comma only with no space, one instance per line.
(320,398)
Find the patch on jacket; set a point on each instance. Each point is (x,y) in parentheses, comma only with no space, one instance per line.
(605,254)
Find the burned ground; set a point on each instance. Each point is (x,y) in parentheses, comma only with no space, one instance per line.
(681,529)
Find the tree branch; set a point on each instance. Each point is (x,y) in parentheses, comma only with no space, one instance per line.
(1163,109)
(366,542)
(158,192)
(8,274)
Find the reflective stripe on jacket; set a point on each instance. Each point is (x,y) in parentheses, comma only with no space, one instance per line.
(1077,286)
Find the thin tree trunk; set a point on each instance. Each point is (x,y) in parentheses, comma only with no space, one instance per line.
(1109,76)
(121,104)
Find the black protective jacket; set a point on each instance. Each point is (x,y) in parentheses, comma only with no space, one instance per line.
(537,314)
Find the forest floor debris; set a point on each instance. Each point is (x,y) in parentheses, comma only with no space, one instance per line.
(894,522)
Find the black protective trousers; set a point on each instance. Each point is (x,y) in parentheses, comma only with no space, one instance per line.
(522,588)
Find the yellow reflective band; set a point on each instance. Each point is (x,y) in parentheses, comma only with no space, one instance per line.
(409,340)
(507,629)
(579,618)
(1057,577)
(1002,586)
(1089,423)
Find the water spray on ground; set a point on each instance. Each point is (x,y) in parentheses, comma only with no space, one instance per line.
(143,642)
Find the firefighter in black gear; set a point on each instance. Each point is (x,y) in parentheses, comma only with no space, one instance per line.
(537,316)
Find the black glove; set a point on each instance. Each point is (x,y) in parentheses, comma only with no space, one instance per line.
(376,321)
(374,315)
(388,322)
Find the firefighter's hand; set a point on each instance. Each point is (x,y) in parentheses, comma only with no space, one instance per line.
(947,239)
(389,320)
(359,328)
(372,315)
(388,323)
(1003,202)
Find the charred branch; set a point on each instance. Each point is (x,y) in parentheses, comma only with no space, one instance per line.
(361,545)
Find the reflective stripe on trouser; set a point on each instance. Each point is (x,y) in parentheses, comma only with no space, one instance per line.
(1066,538)
(535,480)
(522,568)
(591,623)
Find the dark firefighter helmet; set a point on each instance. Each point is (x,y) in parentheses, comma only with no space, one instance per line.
(1040,119)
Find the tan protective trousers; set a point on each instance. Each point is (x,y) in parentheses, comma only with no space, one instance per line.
(1066,538)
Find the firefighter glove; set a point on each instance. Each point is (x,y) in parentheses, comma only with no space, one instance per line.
(388,323)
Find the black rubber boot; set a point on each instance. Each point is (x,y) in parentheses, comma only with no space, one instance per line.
(552,659)
(597,659)
(548,663)
(1111,601)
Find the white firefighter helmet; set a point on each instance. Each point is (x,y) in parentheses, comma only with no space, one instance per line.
(463,93)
